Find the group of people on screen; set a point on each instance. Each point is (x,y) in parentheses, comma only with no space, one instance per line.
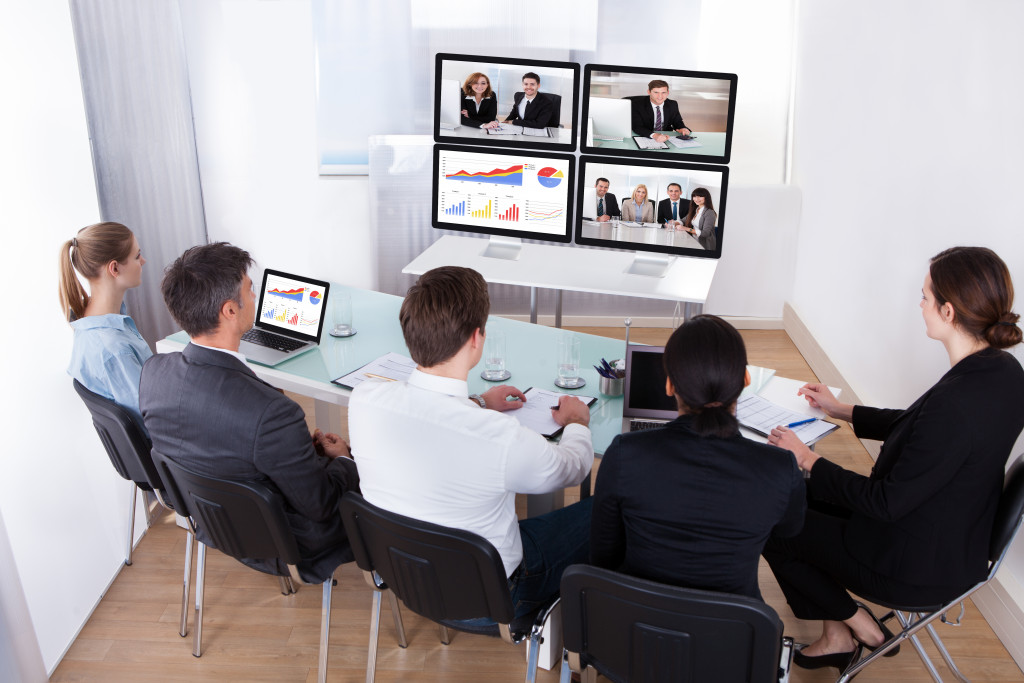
(530,109)
(692,503)
(696,216)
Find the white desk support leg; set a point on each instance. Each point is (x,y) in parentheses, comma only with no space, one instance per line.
(690,310)
(327,417)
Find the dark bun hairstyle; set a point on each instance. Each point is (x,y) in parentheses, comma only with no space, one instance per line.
(977,283)
(706,360)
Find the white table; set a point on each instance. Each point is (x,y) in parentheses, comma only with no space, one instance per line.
(572,269)
(558,136)
(635,233)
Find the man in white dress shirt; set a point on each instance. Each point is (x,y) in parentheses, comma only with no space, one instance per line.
(427,449)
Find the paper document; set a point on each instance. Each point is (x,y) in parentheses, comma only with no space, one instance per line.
(681,143)
(536,132)
(392,367)
(505,129)
(648,143)
(536,411)
(762,416)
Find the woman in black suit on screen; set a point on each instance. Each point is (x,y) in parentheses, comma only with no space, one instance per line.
(917,529)
(479,104)
(692,504)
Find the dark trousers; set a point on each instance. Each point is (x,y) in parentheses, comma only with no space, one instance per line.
(551,543)
(814,570)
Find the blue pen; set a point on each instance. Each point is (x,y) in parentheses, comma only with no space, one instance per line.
(801,422)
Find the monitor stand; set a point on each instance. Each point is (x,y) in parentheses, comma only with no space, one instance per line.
(650,265)
(507,248)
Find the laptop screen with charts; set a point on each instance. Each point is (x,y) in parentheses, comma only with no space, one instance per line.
(289,318)
(644,398)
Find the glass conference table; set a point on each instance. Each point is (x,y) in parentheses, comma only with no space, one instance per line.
(711,144)
(556,136)
(636,233)
(530,357)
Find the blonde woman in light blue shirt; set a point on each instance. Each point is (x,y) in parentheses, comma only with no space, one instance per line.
(108,352)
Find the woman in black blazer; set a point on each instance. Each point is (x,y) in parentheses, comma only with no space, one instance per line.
(479,104)
(692,504)
(701,218)
(916,531)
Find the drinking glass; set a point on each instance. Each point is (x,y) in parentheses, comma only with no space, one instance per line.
(494,358)
(341,307)
(569,363)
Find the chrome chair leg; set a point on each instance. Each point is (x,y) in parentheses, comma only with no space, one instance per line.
(131,525)
(565,675)
(292,588)
(371,657)
(147,502)
(183,629)
(285,589)
(533,655)
(916,642)
(396,613)
(589,675)
(200,581)
(325,630)
(446,636)
(946,657)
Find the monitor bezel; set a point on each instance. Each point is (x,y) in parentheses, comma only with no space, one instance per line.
(584,160)
(654,73)
(323,284)
(502,140)
(563,238)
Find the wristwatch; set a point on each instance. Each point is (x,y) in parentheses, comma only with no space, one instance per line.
(479,399)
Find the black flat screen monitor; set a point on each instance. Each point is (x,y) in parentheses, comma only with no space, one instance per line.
(693,119)
(523,103)
(627,204)
(515,193)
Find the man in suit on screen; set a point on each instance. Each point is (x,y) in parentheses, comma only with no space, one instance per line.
(673,210)
(607,207)
(656,113)
(531,108)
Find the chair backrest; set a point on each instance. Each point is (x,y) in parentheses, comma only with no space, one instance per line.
(438,572)
(123,438)
(239,518)
(635,630)
(556,103)
(1009,512)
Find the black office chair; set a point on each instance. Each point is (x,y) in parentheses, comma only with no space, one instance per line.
(556,103)
(241,519)
(630,629)
(913,618)
(443,574)
(128,448)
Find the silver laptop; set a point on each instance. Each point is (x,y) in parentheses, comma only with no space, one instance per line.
(644,403)
(289,318)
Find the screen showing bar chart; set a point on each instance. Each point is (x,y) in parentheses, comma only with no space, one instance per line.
(503,192)
(292,304)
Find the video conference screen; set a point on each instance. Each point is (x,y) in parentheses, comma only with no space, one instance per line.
(509,192)
(658,206)
(659,114)
(500,102)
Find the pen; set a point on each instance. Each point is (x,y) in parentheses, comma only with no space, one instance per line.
(370,374)
(801,422)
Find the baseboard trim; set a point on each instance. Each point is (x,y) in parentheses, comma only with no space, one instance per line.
(1001,601)
(739,322)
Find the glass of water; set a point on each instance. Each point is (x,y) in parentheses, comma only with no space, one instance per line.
(494,358)
(569,363)
(341,307)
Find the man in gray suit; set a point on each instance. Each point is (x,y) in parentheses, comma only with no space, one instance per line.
(205,409)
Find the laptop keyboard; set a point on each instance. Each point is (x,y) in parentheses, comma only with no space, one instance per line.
(271,341)
(641,425)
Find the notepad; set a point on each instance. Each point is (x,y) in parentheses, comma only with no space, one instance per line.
(536,411)
(648,143)
(762,416)
(505,129)
(392,367)
(680,143)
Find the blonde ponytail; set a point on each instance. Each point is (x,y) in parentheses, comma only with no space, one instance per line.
(89,253)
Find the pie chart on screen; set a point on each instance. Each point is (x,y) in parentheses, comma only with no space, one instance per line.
(549,177)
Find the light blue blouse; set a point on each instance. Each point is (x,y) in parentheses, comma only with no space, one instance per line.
(107,357)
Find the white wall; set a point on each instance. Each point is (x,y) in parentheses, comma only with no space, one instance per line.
(251,66)
(907,142)
(61,501)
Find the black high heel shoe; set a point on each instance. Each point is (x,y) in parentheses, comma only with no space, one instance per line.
(887,635)
(840,660)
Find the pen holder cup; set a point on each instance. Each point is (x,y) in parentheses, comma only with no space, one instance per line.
(610,387)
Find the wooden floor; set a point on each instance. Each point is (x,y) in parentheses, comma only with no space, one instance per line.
(253,633)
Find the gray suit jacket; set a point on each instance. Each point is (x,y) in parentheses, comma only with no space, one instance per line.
(208,411)
(706,230)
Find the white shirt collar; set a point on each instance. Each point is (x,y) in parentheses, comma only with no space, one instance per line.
(236,354)
(442,385)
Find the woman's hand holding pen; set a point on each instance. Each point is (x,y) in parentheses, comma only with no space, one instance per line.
(819,396)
